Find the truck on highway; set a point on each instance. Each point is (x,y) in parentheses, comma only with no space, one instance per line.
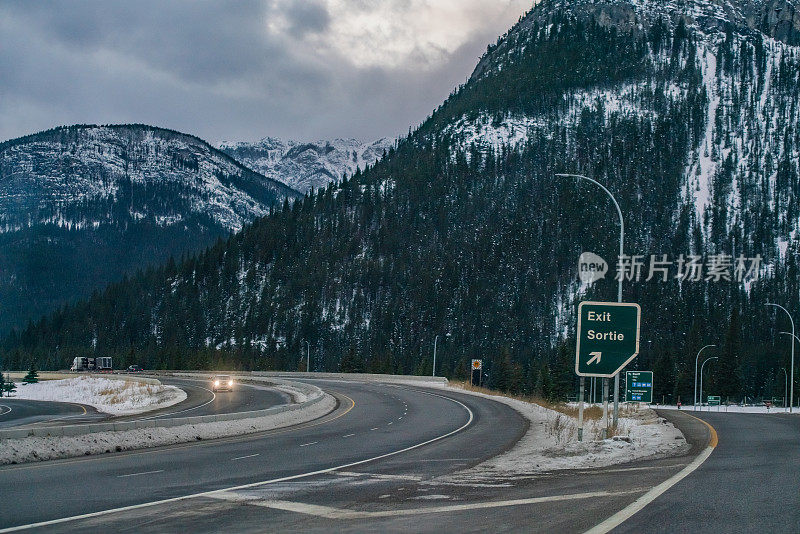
(102,364)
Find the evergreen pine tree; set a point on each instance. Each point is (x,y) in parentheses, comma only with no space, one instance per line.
(9,387)
(728,378)
(32,377)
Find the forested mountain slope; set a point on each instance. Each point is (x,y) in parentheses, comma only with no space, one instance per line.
(82,205)
(687,111)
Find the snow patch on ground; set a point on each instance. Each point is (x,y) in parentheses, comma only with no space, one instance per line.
(733,409)
(551,442)
(33,449)
(116,397)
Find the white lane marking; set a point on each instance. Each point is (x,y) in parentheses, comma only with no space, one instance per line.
(329,512)
(213,398)
(379,476)
(390,422)
(376,428)
(348,435)
(626,513)
(142,473)
(8,408)
(212,493)
(248,456)
(307,444)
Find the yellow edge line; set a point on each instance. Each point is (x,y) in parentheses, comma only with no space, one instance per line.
(713,439)
(168,448)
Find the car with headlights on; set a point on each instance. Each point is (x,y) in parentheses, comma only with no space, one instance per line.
(222,383)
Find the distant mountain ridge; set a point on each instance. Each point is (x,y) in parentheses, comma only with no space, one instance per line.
(307,165)
(82,205)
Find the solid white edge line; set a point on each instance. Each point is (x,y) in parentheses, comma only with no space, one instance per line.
(252,484)
(626,513)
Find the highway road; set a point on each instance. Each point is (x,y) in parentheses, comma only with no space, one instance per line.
(200,400)
(749,484)
(384,460)
(372,422)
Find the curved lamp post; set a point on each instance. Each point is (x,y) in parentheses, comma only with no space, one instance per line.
(435,341)
(695,376)
(701,376)
(791,379)
(786,394)
(621,253)
(308,355)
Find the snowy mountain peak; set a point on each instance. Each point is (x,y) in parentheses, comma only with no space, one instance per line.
(307,165)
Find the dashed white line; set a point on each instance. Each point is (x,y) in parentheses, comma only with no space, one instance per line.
(248,456)
(390,422)
(142,473)
(348,436)
(307,444)
(376,428)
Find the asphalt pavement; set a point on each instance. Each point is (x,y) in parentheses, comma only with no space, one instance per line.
(749,483)
(398,459)
(16,412)
(372,423)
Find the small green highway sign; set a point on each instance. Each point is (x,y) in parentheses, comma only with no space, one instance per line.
(639,386)
(608,337)
(713,400)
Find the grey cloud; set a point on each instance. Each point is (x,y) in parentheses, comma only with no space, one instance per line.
(307,17)
(206,68)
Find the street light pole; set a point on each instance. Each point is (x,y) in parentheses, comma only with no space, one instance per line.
(694,405)
(791,380)
(701,376)
(786,393)
(435,340)
(619,287)
(785,387)
(308,355)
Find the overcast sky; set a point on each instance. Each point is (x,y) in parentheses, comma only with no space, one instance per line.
(300,69)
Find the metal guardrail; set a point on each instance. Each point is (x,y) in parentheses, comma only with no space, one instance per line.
(313,393)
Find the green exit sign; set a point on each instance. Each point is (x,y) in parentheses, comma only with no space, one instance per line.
(639,386)
(713,400)
(608,337)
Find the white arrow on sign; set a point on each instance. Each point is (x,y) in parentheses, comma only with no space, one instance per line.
(595,356)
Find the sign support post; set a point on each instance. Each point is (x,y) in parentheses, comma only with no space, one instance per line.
(605,407)
(580,410)
(608,339)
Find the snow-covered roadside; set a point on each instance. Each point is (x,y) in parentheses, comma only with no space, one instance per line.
(551,442)
(730,409)
(34,449)
(115,397)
